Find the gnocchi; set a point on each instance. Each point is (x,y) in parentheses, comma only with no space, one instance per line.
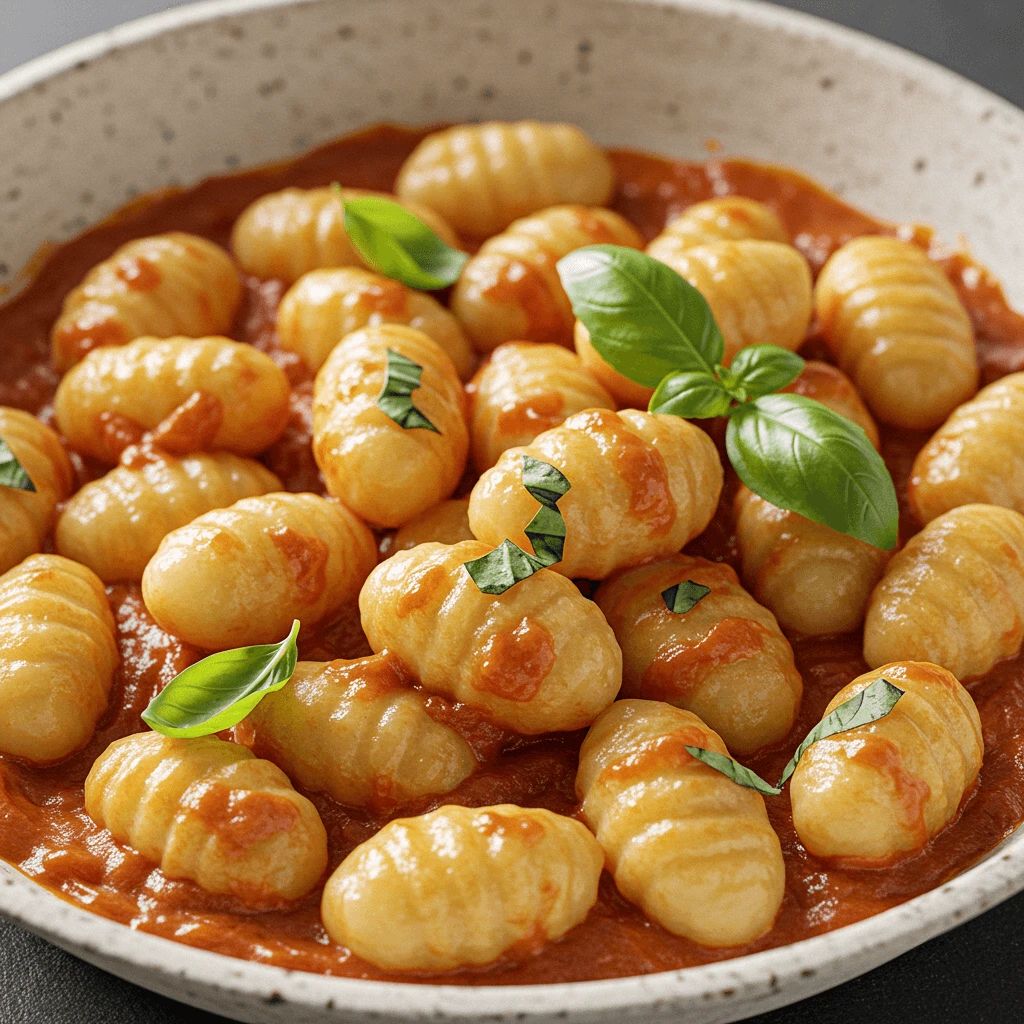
(728,219)
(447,522)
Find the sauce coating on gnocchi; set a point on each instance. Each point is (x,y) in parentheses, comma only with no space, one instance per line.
(447,522)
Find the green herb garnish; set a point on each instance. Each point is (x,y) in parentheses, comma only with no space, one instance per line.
(401,379)
(657,330)
(219,691)
(733,770)
(12,472)
(509,564)
(681,597)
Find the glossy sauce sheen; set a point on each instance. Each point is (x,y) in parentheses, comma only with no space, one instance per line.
(43,826)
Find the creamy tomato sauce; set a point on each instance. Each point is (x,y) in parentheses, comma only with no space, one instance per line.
(45,831)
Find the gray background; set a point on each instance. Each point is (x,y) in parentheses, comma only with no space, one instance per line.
(972,975)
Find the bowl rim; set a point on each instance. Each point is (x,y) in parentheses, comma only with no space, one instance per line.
(800,966)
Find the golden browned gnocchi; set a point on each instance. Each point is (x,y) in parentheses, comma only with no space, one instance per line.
(826,384)
(447,522)
(954,595)
(895,325)
(384,472)
(881,791)
(627,393)
(462,885)
(510,290)
(538,658)
(523,390)
(161,286)
(357,731)
(691,848)
(641,487)
(209,811)
(481,177)
(26,517)
(115,524)
(227,395)
(324,306)
(728,219)
(286,234)
(57,657)
(239,575)
(976,456)
(815,579)
(759,292)
(725,659)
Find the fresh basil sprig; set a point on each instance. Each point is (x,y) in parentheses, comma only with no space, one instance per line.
(681,597)
(656,329)
(12,472)
(219,691)
(401,379)
(399,245)
(733,770)
(508,564)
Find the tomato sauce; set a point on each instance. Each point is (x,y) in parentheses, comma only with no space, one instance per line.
(45,831)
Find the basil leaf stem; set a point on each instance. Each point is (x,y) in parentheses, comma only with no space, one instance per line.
(733,770)
(12,472)
(219,691)
(401,379)
(682,597)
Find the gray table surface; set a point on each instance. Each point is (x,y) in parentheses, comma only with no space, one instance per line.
(971,975)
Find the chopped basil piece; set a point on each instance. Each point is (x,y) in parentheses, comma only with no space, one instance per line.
(12,472)
(401,379)
(681,597)
(733,770)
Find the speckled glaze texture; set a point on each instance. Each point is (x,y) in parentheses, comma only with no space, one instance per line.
(232,83)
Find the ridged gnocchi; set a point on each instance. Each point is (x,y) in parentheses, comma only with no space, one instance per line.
(207,810)
(239,575)
(691,848)
(237,396)
(895,324)
(728,219)
(510,290)
(881,791)
(161,286)
(286,234)
(523,390)
(538,658)
(447,522)
(954,596)
(324,306)
(830,386)
(627,393)
(976,456)
(481,177)
(357,731)
(57,657)
(725,659)
(26,517)
(385,473)
(115,524)
(461,886)
(641,487)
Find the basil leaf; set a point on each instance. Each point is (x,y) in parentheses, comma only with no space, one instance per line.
(12,472)
(733,770)
(643,318)
(219,691)
(504,567)
(801,456)
(694,396)
(681,597)
(401,379)
(762,370)
(871,704)
(544,482)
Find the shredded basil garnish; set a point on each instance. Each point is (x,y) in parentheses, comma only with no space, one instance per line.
(733,770)
(12,472)
(401,379)
(681,597)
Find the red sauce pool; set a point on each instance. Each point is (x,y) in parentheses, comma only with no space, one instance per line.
(43,826)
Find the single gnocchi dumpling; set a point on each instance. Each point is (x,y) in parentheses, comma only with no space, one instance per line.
(641,486)
(832,388)
(357,731)
(57,658)
(976,456)
(627,393)
(26,517)
(481,177)
(384,472)
(115,524)
(759,292)
(879,792)
(523,390)
(510,290)
(692,849)
(447,522)
(725,659)
(223,394)
(538,658)
(207,810)
(954,596)
(161,286)
(461,886)
(286,234)
(240,575)
(895,325)
(324,306)
(815,579)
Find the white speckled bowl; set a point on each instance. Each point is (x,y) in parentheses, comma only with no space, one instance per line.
(231,83)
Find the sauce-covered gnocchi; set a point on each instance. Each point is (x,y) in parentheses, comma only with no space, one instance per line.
(447,522)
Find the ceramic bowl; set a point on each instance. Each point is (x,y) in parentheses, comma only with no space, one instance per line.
(233,83)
